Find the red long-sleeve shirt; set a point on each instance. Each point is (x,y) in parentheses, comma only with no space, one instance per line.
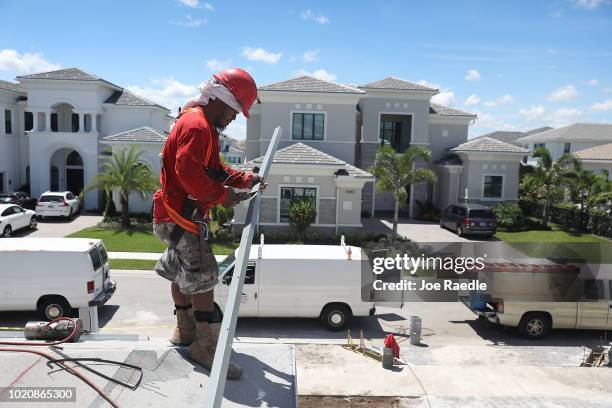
(191,148)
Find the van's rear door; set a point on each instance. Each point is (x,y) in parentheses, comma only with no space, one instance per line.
(105,264)
(98,272)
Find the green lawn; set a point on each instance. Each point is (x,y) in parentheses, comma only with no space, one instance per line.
(575,246)
(142,264)
(138,240)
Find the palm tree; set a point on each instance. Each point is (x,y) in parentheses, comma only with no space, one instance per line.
(394,172)
(549,179)
(125,173)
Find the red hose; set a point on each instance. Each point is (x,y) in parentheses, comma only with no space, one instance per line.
(53,360)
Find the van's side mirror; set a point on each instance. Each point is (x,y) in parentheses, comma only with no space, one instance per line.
(227,278)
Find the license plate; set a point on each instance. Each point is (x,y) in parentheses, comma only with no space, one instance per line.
(483,224)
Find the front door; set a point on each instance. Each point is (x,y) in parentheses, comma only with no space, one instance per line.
(74,181)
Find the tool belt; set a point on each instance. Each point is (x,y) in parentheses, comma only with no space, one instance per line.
(187,221)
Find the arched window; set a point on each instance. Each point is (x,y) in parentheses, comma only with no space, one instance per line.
(74,159)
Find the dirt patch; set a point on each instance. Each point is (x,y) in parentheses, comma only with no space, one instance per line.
(317,401)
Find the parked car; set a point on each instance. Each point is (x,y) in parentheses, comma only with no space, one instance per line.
(469,219)
(14,217)
(54,275)
(312,281)
(537,300)
(57,204)
(20,198)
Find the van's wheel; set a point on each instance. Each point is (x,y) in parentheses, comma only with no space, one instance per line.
(460,232)
(441,224)
(335,317)
(69,214)
(7,232)
(52,307)
(33,223)
(217,313)
(534,325)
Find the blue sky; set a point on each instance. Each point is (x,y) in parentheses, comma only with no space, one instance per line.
(517,64)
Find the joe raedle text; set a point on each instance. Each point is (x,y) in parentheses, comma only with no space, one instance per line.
(424,285)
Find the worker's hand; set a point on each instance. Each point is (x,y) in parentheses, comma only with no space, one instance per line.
(258,179)
(232,198)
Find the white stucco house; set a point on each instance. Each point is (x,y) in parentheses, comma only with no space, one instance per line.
(231,149)
(347,124)
(58,124)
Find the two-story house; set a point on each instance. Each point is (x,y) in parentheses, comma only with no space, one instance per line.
(333,131)
(57,125)
(587,141)
(233,153)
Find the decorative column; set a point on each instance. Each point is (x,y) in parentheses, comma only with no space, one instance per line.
(48,121)
(94,122)
(81,122)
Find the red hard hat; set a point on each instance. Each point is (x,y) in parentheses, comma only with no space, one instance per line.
(241,85)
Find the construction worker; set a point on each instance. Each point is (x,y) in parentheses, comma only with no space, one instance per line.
(194,180)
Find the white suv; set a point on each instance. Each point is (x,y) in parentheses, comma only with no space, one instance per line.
(57,204)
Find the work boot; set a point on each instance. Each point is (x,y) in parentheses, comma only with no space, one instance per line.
(185,331)
(202,350)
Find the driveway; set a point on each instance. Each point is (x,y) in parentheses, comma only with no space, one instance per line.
(418,231)
(58,228)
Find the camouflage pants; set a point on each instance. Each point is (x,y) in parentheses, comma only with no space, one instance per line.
(183,263)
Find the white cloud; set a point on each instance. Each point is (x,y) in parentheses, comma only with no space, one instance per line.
(310,15)
(502,100)
(189,3)
(21,64)
(590,4)
(556,118)
(472,75)
(319,74)
(259,54)
(603,106)
(167,92)
(446,98)
(488,121)
(209,7)
(566,93)
(593,82)
(533,113)
(189,21)
(473,99)
(607,90)
(311,56)
(216,65)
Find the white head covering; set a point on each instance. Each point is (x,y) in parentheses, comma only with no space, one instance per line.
(213,89)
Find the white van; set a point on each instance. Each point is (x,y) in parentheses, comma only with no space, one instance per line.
(53,275)
(316,281)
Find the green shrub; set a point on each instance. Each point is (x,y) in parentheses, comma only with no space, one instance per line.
(223,235)
(301,214)
(222,215)
(509,215)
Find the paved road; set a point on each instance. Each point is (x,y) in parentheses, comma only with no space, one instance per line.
(142,305)
(58,227)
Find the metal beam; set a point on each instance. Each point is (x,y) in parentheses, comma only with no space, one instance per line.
(218,374)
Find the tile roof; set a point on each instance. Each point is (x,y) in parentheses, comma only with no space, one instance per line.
(576,132)
(12,86)
(487,144)
(127,98)
(511,137)
(310,84)
(446,111)
(397,84)
(299,153)
(602,152)
(141,135)
(74,74)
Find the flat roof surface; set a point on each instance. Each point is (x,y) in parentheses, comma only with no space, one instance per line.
(170,379)
(47,244)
